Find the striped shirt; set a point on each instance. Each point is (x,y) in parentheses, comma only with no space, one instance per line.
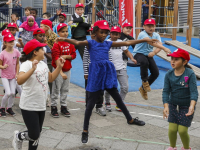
(86,60)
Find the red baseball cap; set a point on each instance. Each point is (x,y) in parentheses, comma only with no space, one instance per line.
(127,25)
(47,22)
(61,25)
(91,29)
(5,32)
(180,53)
(149,21)
(79,5)
(63,14)
(102,24)
(8,38)
(31,45)
(38,31)
(12,25)
(115,29)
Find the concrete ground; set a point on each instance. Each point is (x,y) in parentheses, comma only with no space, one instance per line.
(106,133)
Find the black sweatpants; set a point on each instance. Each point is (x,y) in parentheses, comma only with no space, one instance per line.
(145,64)
(33,121)
(80,48)
(93,96)
(99,102)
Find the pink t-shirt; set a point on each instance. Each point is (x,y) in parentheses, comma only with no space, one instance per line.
(11,60)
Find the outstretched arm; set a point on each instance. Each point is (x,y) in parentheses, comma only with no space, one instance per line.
(158,45)
(132,42)
(72,41)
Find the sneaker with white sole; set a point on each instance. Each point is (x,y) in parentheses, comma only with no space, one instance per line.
(17,143)
(171,148)
(101,111)
(108,107)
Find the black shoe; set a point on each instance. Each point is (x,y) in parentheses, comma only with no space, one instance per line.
(84,138)
(138,122)
(54,112)
(3,112)
(10,112)
(64,111)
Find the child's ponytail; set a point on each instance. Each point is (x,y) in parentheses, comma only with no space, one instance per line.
(25,57)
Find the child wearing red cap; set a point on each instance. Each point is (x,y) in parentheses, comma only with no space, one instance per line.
(179,97)
(39,34)
(34,76)
(102,73)
(79,26)
(61,84)
(9,65)
(120,67)
(46,25)
(12,27)
(144,53)
(62,18)
(125,36)
(27,29)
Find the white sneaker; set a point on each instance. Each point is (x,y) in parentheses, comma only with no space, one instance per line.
(108,107)
(101,111)
(16,143)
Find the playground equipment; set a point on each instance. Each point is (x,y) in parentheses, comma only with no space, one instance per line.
(175,19)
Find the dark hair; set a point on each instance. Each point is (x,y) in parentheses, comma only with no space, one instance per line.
(28,8)
(25,57)
(186,66)
(95,29)
(16,14)
(33,9)
(47,14)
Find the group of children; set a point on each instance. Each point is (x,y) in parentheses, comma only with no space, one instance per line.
(104,63)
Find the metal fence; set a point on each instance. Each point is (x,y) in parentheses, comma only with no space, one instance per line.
(5,14)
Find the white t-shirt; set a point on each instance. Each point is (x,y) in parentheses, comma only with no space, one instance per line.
(117,57)
(35,89)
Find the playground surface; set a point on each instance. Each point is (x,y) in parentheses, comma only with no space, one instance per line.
(105,133)
(77,75)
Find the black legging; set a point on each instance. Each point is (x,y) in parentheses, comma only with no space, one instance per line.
(93,96)
(34,121)
(99,102)
(145,64)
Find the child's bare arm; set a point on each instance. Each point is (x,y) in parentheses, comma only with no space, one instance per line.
(52,76)
(158,45)
(1,65)
(48,55)
(23,76)
(129,55)
(20,44)
(132,42)
(72,41)
(17,67)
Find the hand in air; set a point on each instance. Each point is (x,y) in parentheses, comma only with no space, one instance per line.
(166,112)
(190,111)
(34,64)
(61,62)
(58,12)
